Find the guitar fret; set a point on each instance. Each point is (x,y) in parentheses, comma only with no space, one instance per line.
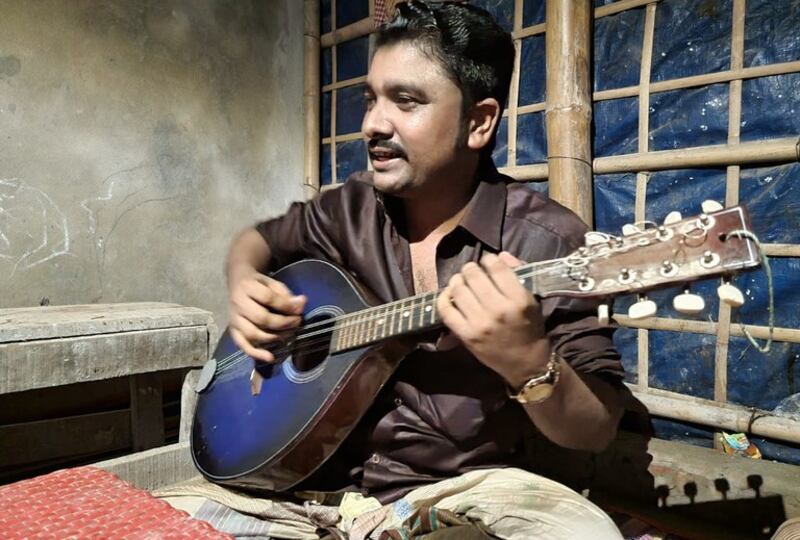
(378,323)
(369,326)
(338,336)
(354,330)
(363,329)
(404,316)
(348,330)
(412,312)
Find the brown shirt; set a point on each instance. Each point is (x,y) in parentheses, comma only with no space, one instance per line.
(443,413)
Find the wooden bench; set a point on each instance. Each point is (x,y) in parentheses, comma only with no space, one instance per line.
(129,345)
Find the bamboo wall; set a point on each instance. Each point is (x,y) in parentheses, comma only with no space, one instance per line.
(632,181)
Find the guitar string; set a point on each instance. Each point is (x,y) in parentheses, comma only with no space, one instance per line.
(322,335)
(356,319)
(307,347)
(546,266)
(364,316)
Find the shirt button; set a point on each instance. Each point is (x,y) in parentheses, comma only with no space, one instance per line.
(375,458)
(398,401)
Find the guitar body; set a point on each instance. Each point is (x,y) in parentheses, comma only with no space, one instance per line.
(274,438)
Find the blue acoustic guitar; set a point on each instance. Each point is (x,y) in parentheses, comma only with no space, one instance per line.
(269,426)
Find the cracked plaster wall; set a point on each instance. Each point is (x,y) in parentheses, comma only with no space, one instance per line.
(136,138)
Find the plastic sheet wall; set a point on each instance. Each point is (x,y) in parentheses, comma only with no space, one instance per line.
(692,37)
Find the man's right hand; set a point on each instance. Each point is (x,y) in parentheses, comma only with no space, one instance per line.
(262,310)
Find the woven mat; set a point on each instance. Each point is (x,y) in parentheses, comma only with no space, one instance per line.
(89,503)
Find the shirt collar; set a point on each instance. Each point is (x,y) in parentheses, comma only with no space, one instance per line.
(485,211)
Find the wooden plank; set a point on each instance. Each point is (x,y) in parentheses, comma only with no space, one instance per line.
(32,323)
(188,404)
(147,411)
(55,362)
(676,464)
(62,437)
(61,401)
(153,469)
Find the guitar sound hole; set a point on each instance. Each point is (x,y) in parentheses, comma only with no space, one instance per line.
(312,345)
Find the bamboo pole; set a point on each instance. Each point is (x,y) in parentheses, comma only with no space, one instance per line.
(533,107)
(717,415)
(311,97)
(602,11)
(347,137)
(344,84)
(784,150)
(512,111)
(622,5)
(358,29)
(782,68)
(529,31)
(788,335)
(731,192)
(525,173)
(568,113)
(334,79)
(640,210)
(782,250)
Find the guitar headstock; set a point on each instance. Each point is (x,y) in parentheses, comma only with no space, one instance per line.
(649,256)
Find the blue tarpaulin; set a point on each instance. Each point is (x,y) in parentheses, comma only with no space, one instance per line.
(692,37)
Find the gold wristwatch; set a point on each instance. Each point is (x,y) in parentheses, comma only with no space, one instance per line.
(540,387)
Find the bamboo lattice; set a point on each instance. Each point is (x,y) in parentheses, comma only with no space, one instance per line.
(731,155)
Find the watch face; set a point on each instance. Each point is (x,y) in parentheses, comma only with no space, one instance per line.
(537,393)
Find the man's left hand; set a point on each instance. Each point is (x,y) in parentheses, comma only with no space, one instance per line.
(497,319)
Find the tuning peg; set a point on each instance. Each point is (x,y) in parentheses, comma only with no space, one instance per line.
(730,295)
(688,303)
(603,315)
(629,229)
(594,238)
(709,206)
(673,217)
(642,309)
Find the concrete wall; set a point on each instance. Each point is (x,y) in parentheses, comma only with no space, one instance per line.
(136,138)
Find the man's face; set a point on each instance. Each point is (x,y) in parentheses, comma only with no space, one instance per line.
(413,125)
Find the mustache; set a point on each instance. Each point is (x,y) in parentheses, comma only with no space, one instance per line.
(390,146)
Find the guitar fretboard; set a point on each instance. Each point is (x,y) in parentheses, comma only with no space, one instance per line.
(407,316)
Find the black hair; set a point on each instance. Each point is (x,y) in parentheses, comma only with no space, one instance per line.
(475,52)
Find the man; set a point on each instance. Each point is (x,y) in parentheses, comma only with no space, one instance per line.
(434,213)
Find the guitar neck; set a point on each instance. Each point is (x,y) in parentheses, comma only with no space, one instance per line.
(413,314)
(642,259)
